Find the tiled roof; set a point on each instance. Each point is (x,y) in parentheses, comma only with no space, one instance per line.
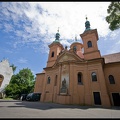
(112,58)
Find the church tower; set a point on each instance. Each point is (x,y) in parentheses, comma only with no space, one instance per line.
(55,48)
(89,38)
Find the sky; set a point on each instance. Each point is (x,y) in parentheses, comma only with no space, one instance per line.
(27,28)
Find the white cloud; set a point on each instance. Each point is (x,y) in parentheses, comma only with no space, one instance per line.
(9,51)
(113,49)
(37,22)
(8,27)
(22,60)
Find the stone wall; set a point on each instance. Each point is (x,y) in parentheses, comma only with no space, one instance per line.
(7,72)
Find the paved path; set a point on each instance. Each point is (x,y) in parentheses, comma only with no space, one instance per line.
(25,109)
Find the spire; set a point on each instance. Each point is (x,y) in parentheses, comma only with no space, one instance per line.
(87,25)
(57,36)
(58,30)
(75,38)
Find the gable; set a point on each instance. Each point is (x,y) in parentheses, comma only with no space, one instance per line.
(67,56)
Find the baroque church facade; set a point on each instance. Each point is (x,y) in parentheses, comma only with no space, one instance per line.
(82,78)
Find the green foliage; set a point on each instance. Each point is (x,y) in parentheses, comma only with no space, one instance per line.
(114,15)
(13,67)
(21,83)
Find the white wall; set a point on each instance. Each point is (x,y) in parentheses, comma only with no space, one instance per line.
(7,72)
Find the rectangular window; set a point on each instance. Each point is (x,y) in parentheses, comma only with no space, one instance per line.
(79,76)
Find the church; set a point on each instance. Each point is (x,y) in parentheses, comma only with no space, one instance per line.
(80,78)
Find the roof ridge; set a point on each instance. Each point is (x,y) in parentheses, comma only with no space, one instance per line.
(111,54)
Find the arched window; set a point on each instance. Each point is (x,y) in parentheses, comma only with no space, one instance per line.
(74,48)
(94,76)
(79,76)
(52,54)
(55,80)
(89,44)
(48,80)
(111,79)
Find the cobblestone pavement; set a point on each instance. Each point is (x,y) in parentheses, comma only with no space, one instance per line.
(26,109)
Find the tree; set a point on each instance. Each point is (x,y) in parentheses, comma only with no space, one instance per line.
(13,67)
(114,15)
(21,83)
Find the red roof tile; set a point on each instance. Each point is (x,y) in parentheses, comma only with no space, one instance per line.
(112,58)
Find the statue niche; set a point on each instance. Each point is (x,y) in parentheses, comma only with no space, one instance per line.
(63,89)
(64,83)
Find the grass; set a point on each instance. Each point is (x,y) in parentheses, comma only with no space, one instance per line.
(7,98)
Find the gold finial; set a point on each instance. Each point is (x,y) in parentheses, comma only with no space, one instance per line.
(75,38)
(86,18)
(58,29)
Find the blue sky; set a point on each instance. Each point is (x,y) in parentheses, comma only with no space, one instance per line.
(27,28)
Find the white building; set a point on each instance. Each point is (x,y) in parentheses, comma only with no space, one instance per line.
(6,73)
